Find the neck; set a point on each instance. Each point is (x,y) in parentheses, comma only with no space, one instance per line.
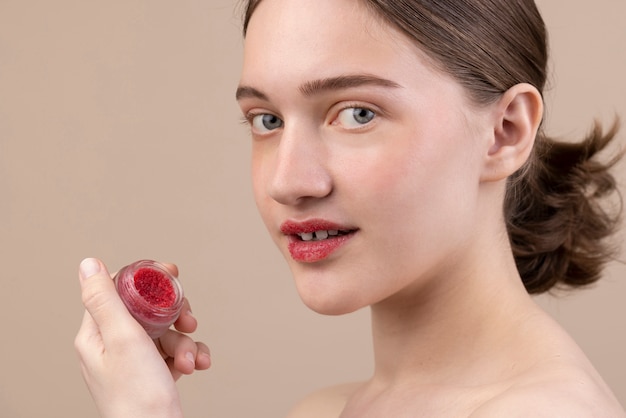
(446,331)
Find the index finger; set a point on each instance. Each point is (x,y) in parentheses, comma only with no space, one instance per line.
(172,268)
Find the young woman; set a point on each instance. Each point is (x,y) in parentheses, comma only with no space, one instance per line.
(399,163)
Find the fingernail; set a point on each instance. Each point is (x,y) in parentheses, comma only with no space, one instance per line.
(192,359)
(190,313)
(206,358)
(89,267)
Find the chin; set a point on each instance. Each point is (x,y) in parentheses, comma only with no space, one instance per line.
(324,289)
(331,305)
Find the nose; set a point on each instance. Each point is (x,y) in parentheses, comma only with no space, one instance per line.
(300,168)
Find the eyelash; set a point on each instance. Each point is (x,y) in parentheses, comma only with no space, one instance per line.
(376,112)
(247,118)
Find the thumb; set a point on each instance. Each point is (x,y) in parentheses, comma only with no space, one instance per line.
(102,300)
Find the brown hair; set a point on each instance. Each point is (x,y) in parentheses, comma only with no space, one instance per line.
(557,225)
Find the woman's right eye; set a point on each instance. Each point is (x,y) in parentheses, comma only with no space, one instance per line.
(266,122)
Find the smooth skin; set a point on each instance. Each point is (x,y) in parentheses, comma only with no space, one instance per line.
(123,368)
(419,172)
(351,123)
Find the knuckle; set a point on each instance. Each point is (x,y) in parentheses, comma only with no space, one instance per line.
(79,343)
(93,298)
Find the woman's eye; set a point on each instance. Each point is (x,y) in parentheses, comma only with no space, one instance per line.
(266,122)
(354,117)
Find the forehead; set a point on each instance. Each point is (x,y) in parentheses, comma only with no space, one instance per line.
(321,38)
(291,16)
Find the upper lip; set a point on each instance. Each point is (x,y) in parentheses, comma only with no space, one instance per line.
(292,227)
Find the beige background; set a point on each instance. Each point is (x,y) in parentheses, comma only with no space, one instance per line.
(120,138)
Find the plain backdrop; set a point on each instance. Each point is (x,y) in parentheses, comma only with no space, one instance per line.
(120,138)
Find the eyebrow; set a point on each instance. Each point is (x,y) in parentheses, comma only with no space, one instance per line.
(311,88)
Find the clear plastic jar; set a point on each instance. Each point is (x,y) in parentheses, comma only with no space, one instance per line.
(152,295)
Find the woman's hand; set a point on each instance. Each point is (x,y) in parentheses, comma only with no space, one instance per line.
(180,352)
(124,369)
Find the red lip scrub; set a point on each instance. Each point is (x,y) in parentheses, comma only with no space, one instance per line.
(152,295)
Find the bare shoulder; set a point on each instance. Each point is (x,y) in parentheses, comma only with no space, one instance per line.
(560,392)
(323,403)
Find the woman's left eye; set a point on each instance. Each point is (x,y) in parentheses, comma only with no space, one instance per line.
(355,117)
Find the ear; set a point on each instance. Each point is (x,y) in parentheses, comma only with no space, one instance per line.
(517,116)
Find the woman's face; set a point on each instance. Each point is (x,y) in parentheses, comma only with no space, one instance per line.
(366,160)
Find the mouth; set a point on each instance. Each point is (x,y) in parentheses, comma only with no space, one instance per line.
(322,235)
(315,240)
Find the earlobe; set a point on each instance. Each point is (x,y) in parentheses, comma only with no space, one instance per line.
(517,117)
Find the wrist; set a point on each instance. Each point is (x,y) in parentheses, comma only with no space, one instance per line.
(157,407)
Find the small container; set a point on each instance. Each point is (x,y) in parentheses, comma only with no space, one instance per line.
(152,295)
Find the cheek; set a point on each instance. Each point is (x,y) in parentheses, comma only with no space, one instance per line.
(258,187)
(415,193)
(394,180)
(259,172)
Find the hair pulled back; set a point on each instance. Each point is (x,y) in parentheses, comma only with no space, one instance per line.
(557,223)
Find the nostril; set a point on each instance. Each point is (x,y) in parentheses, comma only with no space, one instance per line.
(297,166)
(294,186)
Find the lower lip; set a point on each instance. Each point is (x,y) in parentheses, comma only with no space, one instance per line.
(314,251)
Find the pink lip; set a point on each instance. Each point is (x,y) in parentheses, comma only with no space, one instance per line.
(313,251)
